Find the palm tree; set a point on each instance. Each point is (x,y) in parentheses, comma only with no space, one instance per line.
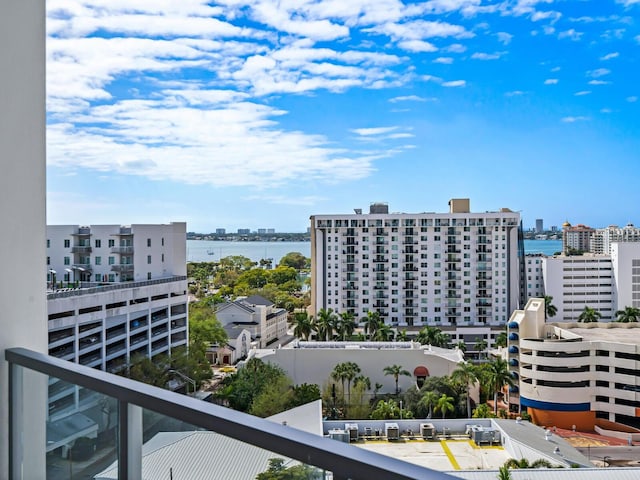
(480,346)
(325,323)
(504,473)
(396,371)
(401,336)
(444,404)
(345,325)
(549,309)
(384,333)
(351,371)
(371,323)
(303,325)
(462,346)
(362,380)
(339,374)
(628,315)
(501,339)
(589,315)
(428,400)
(466,374)
(498,376)
(432,336)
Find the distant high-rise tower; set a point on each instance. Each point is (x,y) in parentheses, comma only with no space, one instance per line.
(539,225)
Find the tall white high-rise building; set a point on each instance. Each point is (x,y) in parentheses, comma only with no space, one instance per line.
(453,270)
(603,238)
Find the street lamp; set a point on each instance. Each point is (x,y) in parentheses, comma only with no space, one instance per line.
(184,377)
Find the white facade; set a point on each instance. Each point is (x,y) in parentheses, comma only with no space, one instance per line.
(452,270)
(266,322)
(22,215)
(114,253)
(534,284)
(575,373)
(313,362)
(603,239)
(606,283)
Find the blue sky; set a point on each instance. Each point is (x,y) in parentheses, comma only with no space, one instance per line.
(257,114)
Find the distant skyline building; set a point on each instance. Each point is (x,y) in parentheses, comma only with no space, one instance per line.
(459,271)
(539,225)
(244,231)
(576,237)
(221,231)
(603,238)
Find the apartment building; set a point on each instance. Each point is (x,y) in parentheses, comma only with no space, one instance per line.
(534,284)
(576,237)
(574,375)
(452,270)
(114,292)
(606,283)
(603,238)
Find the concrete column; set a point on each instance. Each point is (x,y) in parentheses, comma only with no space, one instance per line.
(23,321)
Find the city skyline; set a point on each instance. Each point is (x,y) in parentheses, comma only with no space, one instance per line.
(239,114)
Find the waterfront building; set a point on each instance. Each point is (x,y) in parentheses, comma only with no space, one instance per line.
(606,283)
(576,237)
(574,375)
(603,238)
(539,225)
(452,270)
(244,231)
(221,231)
(265,322)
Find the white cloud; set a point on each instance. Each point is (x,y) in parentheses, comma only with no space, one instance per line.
(456,48)
(417,46)
(609,56)
(571,34)
(598,72)
(366,132)
(582,93)
(632,99)
(504,37)
(575,119)
(606,110)
(551,81)
(628,3)
(455,83)
(515,93)
(419,30)
(598,82)
(487,56)
(548,15)
(444,60)
(411,98)
(556,69)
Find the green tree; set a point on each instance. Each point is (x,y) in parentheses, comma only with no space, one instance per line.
(465,375)
(589,315)
(498,376)
(444,405)
(432,336)
(236,262)
(429,400)
(295,260)
(278,471)
(303,325)
(303,394)
(371,323)
(504,473)
(345,325)
(325,323)
(283,274)
(628,315)
(387,410)
(501,339)
(483,411)
(384,333)
(480,346)
(204,326)
(396,371)
(550,309)
(462,346)
(274,398)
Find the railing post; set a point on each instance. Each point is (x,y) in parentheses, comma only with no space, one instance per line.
(16,421)
(129,441)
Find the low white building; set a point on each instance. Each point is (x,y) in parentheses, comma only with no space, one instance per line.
(236,348)
(266,322)
(313,362)
(575,374)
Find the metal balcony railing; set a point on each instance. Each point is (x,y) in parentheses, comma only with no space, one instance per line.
(343,460)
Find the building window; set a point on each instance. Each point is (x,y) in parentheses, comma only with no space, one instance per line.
(67,243)
(48,260)
(66,261)
(98,243)
(98,277)
(162,241)
(112,260)
(163,258)
(48,243)
(148,242)
(148,259)
(112,277)
(98,260)
(148,275)
(112,243)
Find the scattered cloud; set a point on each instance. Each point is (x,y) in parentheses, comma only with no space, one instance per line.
(367,132)
(417,46)
(487,56)
(571,34)
(628,3)
(459,48)
(606,110)
(548,15)
(556,69)
(582,93)
(575,119)
(455,83)
(632,99)
(444,60)
(515,93)
(598,72)
(609,56)
(504,37)
(598,82)
(411,98)
(551,81)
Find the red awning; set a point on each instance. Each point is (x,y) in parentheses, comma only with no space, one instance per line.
(421,371)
